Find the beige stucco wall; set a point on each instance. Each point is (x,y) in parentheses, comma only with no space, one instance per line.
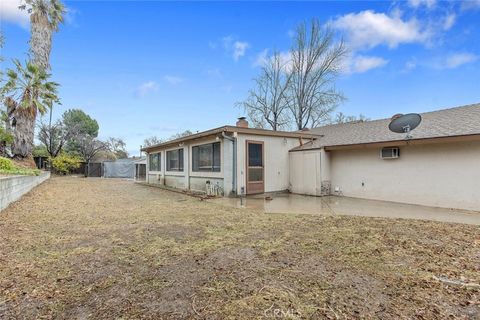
(276,161)
(305,172)
(276,151)
(441,175)
(187,179)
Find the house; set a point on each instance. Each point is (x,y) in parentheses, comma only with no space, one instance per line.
(439,165)
(229,160)
(140,168)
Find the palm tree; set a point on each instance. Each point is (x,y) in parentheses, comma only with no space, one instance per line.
(45,16)
(28,92)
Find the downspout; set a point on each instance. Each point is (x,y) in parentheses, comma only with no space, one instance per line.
(234,178)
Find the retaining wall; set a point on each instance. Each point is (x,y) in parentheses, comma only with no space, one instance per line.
(14,187)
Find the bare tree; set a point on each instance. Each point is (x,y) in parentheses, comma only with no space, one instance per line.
(316,61)
(180,135)
(152,141)
(55,136)
(343,118)
(117,147)
(267,103)
(88,147)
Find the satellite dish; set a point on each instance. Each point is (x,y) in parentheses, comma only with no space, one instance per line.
(404,123)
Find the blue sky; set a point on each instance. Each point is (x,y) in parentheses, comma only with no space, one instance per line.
(158,68)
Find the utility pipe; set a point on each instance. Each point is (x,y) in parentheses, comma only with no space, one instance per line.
(234,178)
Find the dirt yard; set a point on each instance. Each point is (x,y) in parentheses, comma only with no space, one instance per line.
(78,248)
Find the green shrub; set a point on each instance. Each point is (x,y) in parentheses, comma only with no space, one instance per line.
(8,168)
(40,151)
(5,137)
(6,164)
(65,163)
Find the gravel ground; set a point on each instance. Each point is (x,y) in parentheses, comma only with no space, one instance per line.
(77,248)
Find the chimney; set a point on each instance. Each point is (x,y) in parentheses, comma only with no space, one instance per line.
(242,122)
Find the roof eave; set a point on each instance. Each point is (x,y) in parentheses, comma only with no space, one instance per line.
(455,138)
(186,138)
(232,129)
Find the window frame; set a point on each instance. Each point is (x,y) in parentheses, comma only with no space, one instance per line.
(212,167)
(159,161)
(181,160)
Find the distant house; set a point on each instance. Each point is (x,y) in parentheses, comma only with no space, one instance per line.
(438,166)
(140,168)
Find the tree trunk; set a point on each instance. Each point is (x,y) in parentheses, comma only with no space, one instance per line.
(23,134)
(40,40)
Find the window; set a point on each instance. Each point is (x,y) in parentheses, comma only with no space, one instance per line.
(175,160)
(155,161)
(206,158)
(390,153)
(255,155)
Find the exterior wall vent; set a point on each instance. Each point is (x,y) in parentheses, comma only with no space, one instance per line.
(390,153)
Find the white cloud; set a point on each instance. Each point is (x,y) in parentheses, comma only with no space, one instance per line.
(427,3)
(239,49)
(146,88)
(173,79)
(214,72)
(226,41)
(410,65)
(361,64)
(458,59)
(235,47)
(449,21)
(10,12)
(451,61)
(261,58)
(368,29)
(352,64)
(70,16)
(470,5)
(227,89)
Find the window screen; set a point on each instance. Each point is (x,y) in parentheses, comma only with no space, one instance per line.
(255,155)
(206,158)
(175,160)
(155,162)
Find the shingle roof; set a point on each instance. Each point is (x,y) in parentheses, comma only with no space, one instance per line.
(459,121)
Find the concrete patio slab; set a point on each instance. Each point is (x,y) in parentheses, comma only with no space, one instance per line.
(334,205)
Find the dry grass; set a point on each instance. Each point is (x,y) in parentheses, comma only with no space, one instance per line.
(91,248)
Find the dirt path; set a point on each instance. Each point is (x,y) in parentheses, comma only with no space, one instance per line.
(91,248)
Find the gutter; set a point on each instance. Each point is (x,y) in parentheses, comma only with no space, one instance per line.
(234,178)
